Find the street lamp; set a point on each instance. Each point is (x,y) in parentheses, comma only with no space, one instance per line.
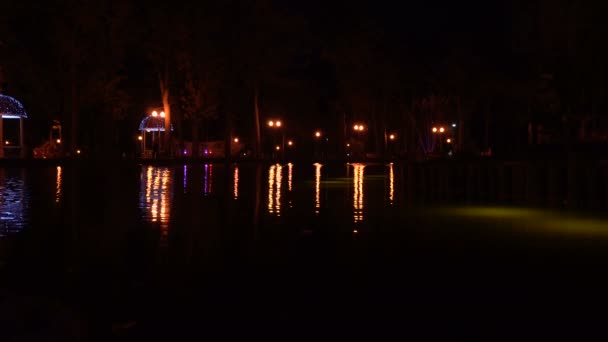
(273,123)
(434,129)
(58,141)
(392,137)
(441,129)
(318,134)
(278,124)
(236,140)
(448,140)
(289,143)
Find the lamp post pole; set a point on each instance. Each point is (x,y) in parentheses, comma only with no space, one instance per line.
(278,124)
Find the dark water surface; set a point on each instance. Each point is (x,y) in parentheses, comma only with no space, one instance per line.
(126,252)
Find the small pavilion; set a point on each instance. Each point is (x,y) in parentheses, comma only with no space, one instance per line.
(10,108)
(152,130)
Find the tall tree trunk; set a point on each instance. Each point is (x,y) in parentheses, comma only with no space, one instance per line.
(384,127)
(460,128)
(195,138)
(341,129)
(1,137)
(164,91)
(73,108)
(228,137)
(258,137)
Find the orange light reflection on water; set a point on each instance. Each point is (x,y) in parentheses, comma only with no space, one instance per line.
(275,181)
(358,192)
(58,186)
(289,176)
(271,173)
(208,179)
(391,184)
(235,184)
(317,187)
(157,199)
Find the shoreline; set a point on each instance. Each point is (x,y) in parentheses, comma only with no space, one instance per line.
(31,162)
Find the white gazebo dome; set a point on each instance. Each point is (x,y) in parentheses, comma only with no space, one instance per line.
(10,108)
(153,124)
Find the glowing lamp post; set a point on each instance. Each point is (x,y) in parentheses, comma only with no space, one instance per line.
(359,128)
(278,124)
(439,130)
(358,137)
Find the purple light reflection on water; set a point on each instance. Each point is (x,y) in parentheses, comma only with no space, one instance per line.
(14,202)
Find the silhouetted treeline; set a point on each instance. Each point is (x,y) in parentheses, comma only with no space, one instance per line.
(508,74)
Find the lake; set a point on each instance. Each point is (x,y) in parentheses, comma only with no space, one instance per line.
(128,251)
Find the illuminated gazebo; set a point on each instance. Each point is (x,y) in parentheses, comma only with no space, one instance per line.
(10,108)
(152,128)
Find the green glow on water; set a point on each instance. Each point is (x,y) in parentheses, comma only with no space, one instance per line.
(532,220)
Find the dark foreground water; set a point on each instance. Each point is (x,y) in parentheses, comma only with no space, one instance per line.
(94,252)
